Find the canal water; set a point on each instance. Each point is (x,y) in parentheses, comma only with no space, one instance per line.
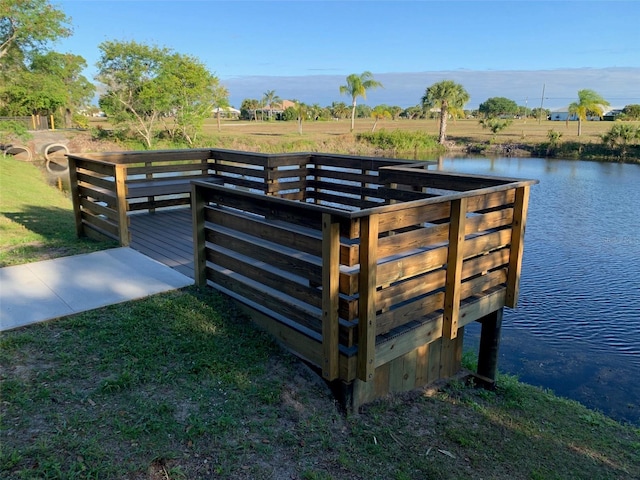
(576,329)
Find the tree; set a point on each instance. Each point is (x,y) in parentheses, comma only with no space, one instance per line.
(301,112)
(621,134)
(589,103)
(145,84)
(51,84)
(194,92)
(65,70)
(395,111)
(250,106)
(26,26)
(289,114)
(339,110)
(445,95)
(357,86)
(496,125)
(363,111)
(268,99)
(497,106)
(540,112)
(379,112)
(221,104)
(631,112)
(416,111)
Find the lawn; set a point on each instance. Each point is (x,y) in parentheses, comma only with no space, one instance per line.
(181,386)
(528,131)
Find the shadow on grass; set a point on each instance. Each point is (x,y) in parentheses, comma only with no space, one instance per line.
(50,222)
(54,235)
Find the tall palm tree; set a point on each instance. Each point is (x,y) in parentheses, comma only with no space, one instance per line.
(446,95)
(269,98)
(589,102)
(357,86)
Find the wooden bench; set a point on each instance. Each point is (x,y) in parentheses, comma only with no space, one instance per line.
(163,187)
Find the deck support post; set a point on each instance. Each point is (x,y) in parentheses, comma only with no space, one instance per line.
(330,296)
(75,196)
(199,250)
(455,259)
(520,207)
(122,206)
(367,297)
(490,345)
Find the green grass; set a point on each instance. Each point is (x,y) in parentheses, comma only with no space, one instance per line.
(36,220)
(179,385)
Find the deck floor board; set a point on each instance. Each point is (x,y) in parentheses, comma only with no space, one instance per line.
(165,236)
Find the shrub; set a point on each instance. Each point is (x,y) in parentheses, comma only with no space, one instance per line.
(400,140)
(12,129)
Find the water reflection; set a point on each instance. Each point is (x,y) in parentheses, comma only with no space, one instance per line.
(576,329)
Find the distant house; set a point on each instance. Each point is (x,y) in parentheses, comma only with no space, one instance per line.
(562,115)
(276,110)
(226,112)
(611,115)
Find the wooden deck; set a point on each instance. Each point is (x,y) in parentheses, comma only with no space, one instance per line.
(367,268)
(165,236)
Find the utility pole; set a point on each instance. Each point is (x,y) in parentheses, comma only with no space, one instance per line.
(541,102)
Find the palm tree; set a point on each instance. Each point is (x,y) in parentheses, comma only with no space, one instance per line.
(589,102)
(301,112)
(357,86)
(379,113)
(268,99)
(448,96)
(251,105)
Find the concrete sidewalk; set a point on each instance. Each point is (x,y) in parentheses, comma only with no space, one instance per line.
(41,291)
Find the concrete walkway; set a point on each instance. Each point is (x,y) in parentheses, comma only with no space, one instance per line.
(41,291)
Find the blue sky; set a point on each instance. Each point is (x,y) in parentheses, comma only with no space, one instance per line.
(305,49)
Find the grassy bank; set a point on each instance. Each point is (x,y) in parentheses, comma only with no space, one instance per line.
(36,221)
(180,386)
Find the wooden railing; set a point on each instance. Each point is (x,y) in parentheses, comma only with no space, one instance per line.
(367,268)
(107,187)
(369,264)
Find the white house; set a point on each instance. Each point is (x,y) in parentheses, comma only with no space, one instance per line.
(226,112)
(562,115)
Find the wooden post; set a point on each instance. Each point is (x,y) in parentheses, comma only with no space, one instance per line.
(122,204)
(199,248)
(489,345)
(367,296)
(520,207)
(149,177)
(454,268)
(330,296)
(75,196)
